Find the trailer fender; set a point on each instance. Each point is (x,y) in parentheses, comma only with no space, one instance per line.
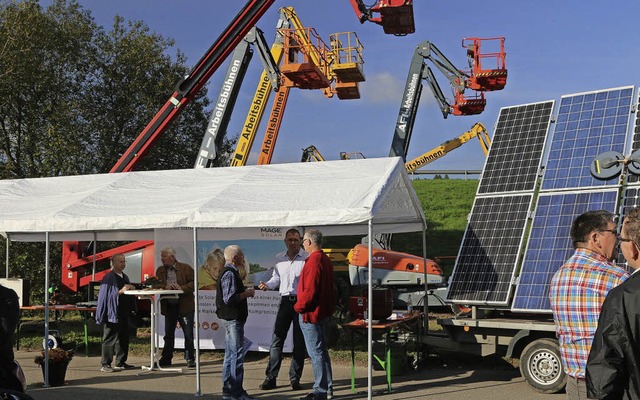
(524,333)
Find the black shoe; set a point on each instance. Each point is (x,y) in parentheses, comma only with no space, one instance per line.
(124,366)
(164,362)
(268,384)
(191,363)
(295,384)
(314,396)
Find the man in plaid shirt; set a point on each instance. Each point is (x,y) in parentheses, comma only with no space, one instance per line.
(578,290)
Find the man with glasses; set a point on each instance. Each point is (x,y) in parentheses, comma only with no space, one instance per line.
(315,305)
(578,290)
(286,275)
(612,368)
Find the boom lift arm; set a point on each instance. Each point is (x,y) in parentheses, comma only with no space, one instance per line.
(311,153)
(223,108)
(478,79)
(478,130)
(189,86)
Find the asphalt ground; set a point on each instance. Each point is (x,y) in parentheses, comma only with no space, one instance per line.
(456,377)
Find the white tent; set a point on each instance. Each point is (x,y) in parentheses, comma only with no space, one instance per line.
(338,197)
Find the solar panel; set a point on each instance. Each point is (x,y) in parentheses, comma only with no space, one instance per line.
(635,144)
(484,269)
(516,148)
(550,243)
(587,125)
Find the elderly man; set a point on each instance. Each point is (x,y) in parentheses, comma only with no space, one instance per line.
(179,276)
(578,290)
(113,310)
(315,305)
(612,368)
(232,309)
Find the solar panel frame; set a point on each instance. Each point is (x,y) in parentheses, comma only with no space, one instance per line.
(516,147)
(587,124)
(634,140)
(495,228)
(549,244)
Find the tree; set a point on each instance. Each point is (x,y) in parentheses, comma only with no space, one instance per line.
(74,96)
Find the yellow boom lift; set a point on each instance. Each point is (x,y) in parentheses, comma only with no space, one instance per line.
(478,130)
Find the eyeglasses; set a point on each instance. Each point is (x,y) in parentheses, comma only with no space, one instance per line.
(614,231)
(621,239)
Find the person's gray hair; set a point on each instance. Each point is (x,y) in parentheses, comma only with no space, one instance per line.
(231,251)
(114,257)
(168,250)
(315,236)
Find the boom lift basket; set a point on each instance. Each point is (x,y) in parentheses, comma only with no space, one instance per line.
(396,16)
(486,79)
(468,105)
(346,51)
(312,72)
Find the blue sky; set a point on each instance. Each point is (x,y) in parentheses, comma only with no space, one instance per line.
(553,48)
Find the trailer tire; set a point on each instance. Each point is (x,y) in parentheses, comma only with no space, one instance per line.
(541,366)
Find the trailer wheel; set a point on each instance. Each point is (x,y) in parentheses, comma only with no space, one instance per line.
(541,366)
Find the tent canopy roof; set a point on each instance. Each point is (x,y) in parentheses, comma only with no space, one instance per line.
(130,205)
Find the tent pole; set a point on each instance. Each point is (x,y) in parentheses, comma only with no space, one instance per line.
(370,315)
(197,312)
(426,293)
(93,267)
(7,259)
(46,310)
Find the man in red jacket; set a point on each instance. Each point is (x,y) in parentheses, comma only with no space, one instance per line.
(315,305)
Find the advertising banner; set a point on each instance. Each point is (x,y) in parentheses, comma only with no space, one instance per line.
(260,245)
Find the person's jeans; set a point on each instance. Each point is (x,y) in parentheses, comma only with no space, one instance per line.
(233,364)
(171,318)
(286,315)
(317,349)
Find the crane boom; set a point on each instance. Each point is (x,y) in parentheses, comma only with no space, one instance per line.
(188,87)
(478,130)
(288,17)
(223,107)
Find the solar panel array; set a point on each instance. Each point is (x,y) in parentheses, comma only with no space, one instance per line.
(586,125)
(486,263)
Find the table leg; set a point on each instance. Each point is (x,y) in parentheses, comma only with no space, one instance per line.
(86,333)
(353,364)
(387,362)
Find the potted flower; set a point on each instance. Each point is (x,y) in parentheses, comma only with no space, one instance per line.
(58,361)
(152,282)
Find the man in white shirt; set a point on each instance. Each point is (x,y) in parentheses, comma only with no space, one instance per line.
(286,274)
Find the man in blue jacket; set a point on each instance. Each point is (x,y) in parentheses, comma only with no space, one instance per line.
(113,310)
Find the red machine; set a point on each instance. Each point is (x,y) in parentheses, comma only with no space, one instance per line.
(392,268)
(395,16)
(480,78)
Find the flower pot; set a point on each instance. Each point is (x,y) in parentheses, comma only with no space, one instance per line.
(57,373)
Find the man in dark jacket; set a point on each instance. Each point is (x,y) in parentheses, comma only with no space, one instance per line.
(614,359)
(179,276)
(113,310)
(9,314)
